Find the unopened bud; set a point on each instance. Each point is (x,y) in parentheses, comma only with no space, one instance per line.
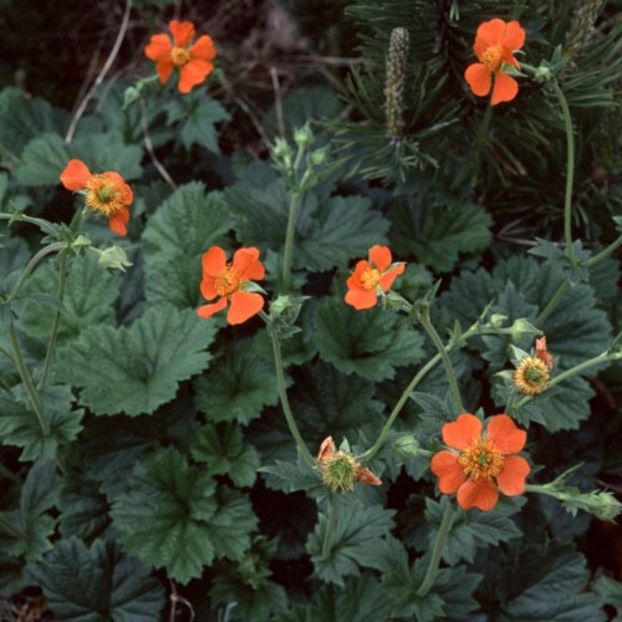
(407,447)
(113,258)
(523,328)
(319,156)
(303,136)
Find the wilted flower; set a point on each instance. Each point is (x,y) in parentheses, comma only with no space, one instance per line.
(482,464)
(531,375)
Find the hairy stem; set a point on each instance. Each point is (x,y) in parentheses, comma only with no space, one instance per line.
(294,206)
(62,277)
(552,303)
(437,551)
(330,528)
(605,252)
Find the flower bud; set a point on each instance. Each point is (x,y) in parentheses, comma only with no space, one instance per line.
(113,258)
(303,136)
(406,447)
(523,328)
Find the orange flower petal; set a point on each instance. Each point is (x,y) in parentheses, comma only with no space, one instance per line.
(365,476)
(479,78)
(361,299)
(243,306)
(246,262)
(203,49)
(159,47)
(327,449)
(505,88)
(208,287)
(387,279)
(380,256)
(193,73)
(511,480)
(75,175)
(207,311)
(502,431)
(444,465)
(491,32)
(165,69)
(514,36)
(182,32)
(463,432)
(214,261)
(480,493)
(118,221)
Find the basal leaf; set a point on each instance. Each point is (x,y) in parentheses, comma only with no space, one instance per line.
(107,152)
(84,509)
(97,584)
(43,160)
(369,343)
(175,238)
(144,363)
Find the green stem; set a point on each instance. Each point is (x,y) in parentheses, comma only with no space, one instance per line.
(44,225)
(573,371)
(481,133)
(294,206)
(424,318)
(330,528)
(33,396)
(56,323)
(437,551)
(287,411)
(569,168)
(31,265)
(552,303)
(605,252)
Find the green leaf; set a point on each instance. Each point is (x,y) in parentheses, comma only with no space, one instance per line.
(43,160)
(355,528)
(610,593)
(438,231)
(97,584)
(237,386)
(173,518)
(199,114)
(107,152)
(472,529)
(175,238)
(369,343)
(143,363)
(90,294)
(27,530)
(225,452)
(19,425)
(84,509)
(551,587)
(329,232)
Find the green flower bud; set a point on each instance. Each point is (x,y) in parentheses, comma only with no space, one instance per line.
(113,258)
(407,447)
(523,328)
(303,136)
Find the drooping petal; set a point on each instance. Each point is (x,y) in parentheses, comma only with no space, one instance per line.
(444,465)
(505,88)
(214,261)
(387,279)
(380,256)
(365,476)
(165,69)
(193,73)
(514,36)
(479,78)
(203,49)
(208,287)
(207,311)
(480,493)
(243,306)
(327,449)
(127,196)
(507,438)
(491,32)
(361,299)
(159,47)
(463,432)
(182,32)
(118,221)
(75,175)
(246,262)
(511,480)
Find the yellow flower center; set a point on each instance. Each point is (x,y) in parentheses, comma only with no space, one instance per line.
(492,57)
(370,278)
(481,461)
(531,376)
(180,56)
(102,195)
(228,282)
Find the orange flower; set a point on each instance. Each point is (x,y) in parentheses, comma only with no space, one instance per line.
(227,282)
(371,277)
(106,193)
(340,470)
(483,464)
(495,42)
(194,62)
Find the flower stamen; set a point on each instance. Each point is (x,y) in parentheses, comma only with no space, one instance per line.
(481,461)
(180,56)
